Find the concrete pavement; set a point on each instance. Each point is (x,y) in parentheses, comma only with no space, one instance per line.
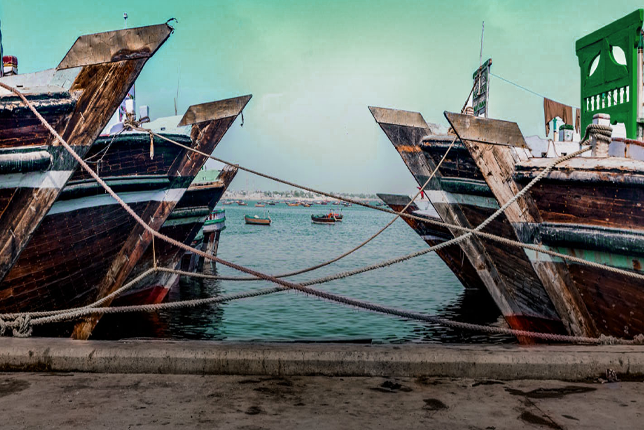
(152,401)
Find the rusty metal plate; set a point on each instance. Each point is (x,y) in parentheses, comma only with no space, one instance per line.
(214,110)
(131,43)
(486,130)
(398,117)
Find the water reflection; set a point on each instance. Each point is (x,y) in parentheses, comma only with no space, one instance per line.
(206,322)
(472,306)
(203,322)
(423,284)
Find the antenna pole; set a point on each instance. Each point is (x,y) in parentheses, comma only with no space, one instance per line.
(481,53)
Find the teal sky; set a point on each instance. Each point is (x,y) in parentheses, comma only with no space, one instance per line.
(313,67)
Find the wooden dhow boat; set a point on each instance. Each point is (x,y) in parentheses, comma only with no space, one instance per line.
(461,197)
(585,207)
(324,219)
(183,225)
(257,220)
(216,221)
(77,98)
(92,243)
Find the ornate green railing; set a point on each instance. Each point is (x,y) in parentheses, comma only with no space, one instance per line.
(608,63)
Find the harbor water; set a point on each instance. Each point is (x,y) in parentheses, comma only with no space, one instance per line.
(423,284)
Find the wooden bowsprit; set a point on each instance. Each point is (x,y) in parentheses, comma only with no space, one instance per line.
(496,146)
(78,99)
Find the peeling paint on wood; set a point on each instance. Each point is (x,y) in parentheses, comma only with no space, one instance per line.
(204,137)
(78,111)
(509,289)
(496,162)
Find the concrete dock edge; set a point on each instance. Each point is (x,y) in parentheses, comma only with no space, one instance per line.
(293,359)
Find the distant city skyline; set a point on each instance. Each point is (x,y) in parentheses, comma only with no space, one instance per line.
(314,67)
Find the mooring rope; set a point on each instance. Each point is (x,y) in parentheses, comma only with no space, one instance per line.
(594,128)
(154,269)
(133,125)
(124,288)
(24,324)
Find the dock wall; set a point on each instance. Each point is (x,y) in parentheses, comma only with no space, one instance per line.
(293,359)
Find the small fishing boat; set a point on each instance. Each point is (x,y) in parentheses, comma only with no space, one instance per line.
(271,203)
(323,203)
(257,220)
(292,204)
(259,205)
(216,221)
(324,219)
(241,203)
(306,205)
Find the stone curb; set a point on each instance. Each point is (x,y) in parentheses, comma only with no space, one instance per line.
(293,359)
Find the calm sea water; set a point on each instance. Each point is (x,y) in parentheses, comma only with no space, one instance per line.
(423,284)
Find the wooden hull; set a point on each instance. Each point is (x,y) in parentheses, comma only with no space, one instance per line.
(461,197)
(78,99)
(323,220)
(452,256)
(183,225)
(257,221)
(106,241)
(591,208)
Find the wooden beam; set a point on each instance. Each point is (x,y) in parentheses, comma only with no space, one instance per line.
(497,162)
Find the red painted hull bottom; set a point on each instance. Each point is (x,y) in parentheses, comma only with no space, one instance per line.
(534,324)
(149,296)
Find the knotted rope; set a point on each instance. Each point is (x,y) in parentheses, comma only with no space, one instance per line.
(601,135)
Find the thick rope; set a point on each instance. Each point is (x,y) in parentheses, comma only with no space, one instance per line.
(602,133)
(351,251)
(476,231)
(509,242)
(24,323)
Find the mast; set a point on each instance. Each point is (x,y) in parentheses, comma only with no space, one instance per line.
(130,98)
(1,54)
(481,53)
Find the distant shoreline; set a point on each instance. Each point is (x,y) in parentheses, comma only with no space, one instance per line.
(264,198)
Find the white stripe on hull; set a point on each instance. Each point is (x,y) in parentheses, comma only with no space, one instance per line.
(171,195)
(438,196)
(50,179)
(427,213)
(182,221)
(433,238)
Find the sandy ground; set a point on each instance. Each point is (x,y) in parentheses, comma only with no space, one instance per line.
(81,400)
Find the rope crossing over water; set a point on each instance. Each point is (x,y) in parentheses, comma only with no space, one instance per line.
(23,322)
(598,131)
